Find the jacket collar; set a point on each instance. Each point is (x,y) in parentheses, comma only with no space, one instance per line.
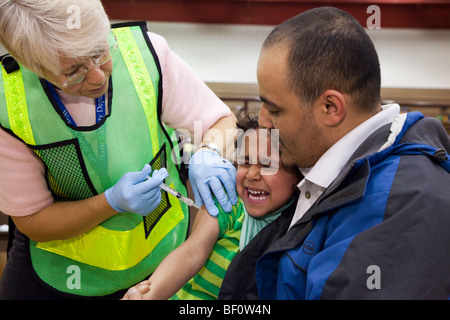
(345,189)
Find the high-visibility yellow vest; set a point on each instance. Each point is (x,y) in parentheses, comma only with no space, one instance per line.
(81,162)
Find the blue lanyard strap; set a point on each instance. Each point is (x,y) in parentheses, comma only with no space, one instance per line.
(96,154)
(100,107)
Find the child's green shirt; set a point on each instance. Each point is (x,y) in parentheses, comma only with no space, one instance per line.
(206,283)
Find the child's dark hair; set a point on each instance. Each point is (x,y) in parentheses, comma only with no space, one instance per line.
(249,121)
(245,121)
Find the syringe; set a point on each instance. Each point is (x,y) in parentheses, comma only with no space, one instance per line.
(177,194)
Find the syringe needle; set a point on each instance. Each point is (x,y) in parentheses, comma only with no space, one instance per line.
(177,194)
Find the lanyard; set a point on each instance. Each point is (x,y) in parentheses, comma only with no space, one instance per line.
(96,154)
(100,107)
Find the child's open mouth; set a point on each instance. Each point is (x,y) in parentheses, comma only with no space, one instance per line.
(255,194)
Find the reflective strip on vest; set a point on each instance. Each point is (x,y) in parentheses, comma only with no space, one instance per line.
(16,106)
(141,79)
(94,247)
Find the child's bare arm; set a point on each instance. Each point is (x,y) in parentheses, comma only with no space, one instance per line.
(185,261)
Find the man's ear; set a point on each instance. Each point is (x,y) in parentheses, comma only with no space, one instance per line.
(333,107)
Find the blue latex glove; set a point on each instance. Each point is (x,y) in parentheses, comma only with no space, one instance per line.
(137,192)
(210,172)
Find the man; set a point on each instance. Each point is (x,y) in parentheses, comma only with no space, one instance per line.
(373,215)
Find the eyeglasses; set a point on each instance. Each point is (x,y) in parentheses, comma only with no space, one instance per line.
(80,75)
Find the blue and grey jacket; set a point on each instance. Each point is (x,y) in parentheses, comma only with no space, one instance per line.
(379,231)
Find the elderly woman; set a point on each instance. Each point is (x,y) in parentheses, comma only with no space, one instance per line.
(87,114)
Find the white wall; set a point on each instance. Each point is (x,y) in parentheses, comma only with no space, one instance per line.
(410,58)
(218,53)
(413,58)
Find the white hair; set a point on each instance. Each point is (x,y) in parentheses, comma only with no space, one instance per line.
(38,33)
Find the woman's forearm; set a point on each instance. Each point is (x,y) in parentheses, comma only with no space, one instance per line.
(223,134)
(65,219)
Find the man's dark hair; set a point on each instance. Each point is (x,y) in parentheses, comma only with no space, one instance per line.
(329,49)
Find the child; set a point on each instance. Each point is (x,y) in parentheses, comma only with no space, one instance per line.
(213,243)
